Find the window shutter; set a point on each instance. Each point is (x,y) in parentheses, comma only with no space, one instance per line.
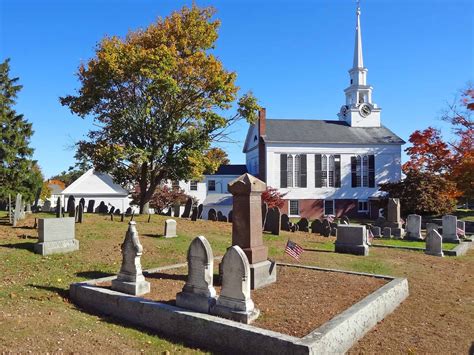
(283,171)
(303,169)
(317,171)
(337,170)
(371,171)
(354,171)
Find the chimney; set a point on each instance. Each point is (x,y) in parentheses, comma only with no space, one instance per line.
(262,124)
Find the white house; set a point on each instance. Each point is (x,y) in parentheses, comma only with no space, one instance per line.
(95,187)
(328,166)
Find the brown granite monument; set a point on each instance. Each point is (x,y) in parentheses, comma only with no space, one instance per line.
(247,228)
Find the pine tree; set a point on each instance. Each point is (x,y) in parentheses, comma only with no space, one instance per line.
(18,172)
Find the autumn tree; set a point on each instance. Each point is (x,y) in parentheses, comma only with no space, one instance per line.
(163,198)
(160,98)
(273,198)
(19,173)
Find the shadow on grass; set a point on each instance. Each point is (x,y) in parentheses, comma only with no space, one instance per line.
(319,250)
(25,246)
(91,275)
(160,275)
(153,235)
(64,293)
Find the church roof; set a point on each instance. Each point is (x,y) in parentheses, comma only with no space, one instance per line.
(326,131)
(231,169)
(95,183)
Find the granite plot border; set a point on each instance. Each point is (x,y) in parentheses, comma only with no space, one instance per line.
(336,335)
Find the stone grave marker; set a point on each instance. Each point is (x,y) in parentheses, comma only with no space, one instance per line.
(285,222)
(71,206)
(333,229)
(212,215)
(393,213)
(56,235)
(117,212)
(130,279)
(316,226)
(112,209)
(46,206)
(128,211)
(303,225)
(230,217)
(326,228)
(345,220)
(17,213)
(10,217)
(194,214)
(219,216)
(187,208)
(170,228)
(434,243)
(112,217)
(430,227)
(82,202)
(103,208)
(450,224)
(413,227)
(198,293)
(376,231)
(200,207)
(28,208)
(59,208)
(234,301)
(380,222)
(387,232)
(90,206)
(352,240)
(176,210)
(272,222)
(246,191)
(122,217)
(80,213)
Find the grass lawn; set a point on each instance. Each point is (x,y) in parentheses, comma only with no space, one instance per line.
(465,215)
(409,243)
(36,314)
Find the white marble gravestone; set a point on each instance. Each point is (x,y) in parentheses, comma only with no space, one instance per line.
(434,243)
(170,228)
(413,227)
(17,213)
(198,293)
(56,235)
(130,278)
(450,224)
(234,302)
(351,239)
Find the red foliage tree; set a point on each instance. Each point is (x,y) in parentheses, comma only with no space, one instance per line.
(163,197)
(273,198)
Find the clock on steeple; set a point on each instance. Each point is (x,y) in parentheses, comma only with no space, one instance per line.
(359,110)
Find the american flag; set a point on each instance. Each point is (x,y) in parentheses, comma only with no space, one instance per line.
(459,231)
(402,221)
(370,236)
(293,250)
(330,218)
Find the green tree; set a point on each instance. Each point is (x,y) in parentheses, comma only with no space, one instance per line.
(18,172)
(160,98)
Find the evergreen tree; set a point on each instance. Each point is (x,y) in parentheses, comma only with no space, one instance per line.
(18,172)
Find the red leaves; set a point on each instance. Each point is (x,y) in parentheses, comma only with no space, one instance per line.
(273,198)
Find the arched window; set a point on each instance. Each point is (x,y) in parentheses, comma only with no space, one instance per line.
(358,171)
(365,171)
(290,170)
(331,171)
(324,169)
(297,170)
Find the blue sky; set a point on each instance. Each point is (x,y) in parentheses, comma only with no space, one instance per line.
(294,56)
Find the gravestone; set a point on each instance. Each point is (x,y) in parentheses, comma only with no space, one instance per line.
(397,233)
(103,208)
(434,243)
(194,214)
(46,206)
(294,227)
(17,214)
(303,225)
(198,293)
(10,217)
(211,215)
(71,206)
(28,208)
(393,213)
(345,220)
(112,210)
(112,217)
(128,211)
(413,227)
(200,207)
(234,301)
(82,202)
(56,235)
(380,222)
(376,231)
(122,217)
(176,209)
(333,229)
(130,279)
(187,208)
(219,216)
(264,213)
(430,227)
(352,240)
(230,216)
(90,206)
(76,212)
(461,228)
(59,208)
(450,224)
(117,212)
(326,228)
(387,232)
(285,222)
(316,226)
(247,192)
(80,213)
(169,212)
(170,228)
(272,222)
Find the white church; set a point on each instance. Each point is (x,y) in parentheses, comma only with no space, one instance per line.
(328,167)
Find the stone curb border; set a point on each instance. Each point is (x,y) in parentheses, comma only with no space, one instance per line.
(219,334)
(461,249)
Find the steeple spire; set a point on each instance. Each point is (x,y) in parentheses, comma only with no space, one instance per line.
(358,59)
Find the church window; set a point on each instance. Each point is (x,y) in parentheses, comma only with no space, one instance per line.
(294,208)
(327,170)
(211,185)
(193,185)
(293,170)
(363,171)
(328,207)
(363,206)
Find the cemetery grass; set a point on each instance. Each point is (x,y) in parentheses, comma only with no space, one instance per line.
(36,314)
(409,243)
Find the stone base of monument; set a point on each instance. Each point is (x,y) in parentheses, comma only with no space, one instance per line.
(262,274)
(441,254)
(393,225)
(195,302)
(56,247)
(137,288)
(227,310)
(413,237)
(397,233)
(351,249)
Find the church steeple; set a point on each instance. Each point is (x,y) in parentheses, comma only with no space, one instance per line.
(359,110)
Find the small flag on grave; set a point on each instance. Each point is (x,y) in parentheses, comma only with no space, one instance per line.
(330,218)
(370,236)
(293,250)
(459,231)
